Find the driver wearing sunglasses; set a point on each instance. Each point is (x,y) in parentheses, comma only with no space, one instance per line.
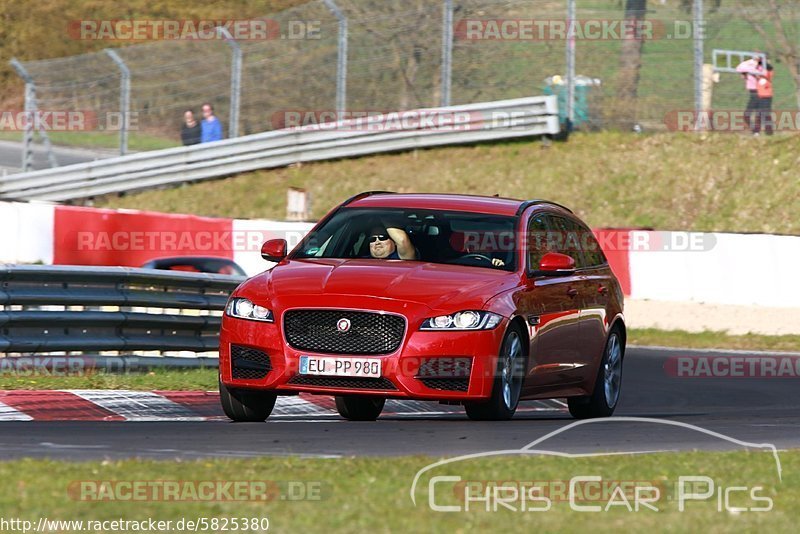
(390,243)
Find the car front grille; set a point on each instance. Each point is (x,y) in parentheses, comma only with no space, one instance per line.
(447,384)
(446,373)
(248,363)
(369,332)
(343,382)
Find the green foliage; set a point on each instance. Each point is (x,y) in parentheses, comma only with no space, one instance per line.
(39,30)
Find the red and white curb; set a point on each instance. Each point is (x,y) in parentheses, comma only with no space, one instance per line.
(121,405)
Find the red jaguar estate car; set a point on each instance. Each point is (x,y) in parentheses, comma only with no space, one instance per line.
(480,301)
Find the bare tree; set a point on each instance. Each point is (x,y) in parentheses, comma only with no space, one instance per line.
(410,31)
(630,60)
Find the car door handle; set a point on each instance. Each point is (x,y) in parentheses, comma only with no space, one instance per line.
(572,292)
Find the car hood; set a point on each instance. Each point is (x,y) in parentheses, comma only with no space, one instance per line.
(430,284)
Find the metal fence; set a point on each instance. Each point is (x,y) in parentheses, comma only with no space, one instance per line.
(487,121)
(364,56)
(110,311)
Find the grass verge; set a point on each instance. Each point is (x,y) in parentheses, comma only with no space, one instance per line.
(373,494)
(94,139)
(712,340)
(665,181)
(160,379)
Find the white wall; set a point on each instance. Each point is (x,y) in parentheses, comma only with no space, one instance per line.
(26,232)
(747,269)
(249,235)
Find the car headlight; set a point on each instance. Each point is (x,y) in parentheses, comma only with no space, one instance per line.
(463,320)
(245,309)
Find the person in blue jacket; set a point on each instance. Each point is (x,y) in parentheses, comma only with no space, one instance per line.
(211,128)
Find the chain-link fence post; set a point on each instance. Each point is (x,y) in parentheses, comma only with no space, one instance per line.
(571,30)
(31,116)
(699,36)
(236,81)
(447,52)
(341,57)
(27,147)
(124,100)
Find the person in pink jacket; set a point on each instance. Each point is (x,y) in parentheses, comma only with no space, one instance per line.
(765,119)
(750,70)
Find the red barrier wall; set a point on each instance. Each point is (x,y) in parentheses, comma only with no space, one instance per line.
(90,236)
(615,245)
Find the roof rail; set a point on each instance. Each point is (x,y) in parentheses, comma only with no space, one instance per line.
(528,203)
(365,194)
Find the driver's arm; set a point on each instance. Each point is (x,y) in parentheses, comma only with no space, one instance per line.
(405,249)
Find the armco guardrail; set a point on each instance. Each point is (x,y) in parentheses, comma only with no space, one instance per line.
(49,309)
(371,135)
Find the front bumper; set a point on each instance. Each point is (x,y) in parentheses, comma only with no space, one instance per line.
(401,373)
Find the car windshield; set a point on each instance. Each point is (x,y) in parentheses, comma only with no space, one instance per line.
(450,237)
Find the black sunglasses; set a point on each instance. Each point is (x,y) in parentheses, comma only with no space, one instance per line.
(378,237)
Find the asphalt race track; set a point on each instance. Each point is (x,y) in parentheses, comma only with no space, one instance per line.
(11,156)
(758,410)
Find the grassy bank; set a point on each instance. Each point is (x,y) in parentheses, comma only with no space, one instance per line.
(719,182)
(99,140)
(373,494)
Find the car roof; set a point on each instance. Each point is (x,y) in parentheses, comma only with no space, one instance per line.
(441,201)
(190,259)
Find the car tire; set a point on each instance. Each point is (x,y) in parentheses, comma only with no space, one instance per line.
(512,363)
(246,405)
(355,408)
(608,384)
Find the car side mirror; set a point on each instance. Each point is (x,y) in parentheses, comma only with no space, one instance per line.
(274,250)
(555,264)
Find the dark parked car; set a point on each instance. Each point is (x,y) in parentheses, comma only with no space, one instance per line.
(196,264)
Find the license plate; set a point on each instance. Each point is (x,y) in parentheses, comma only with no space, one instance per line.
(323,365)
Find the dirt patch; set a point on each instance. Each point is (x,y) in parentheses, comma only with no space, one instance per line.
(698,317)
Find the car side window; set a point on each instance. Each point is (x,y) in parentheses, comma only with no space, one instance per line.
(591,248)
(566,239)
(537,240)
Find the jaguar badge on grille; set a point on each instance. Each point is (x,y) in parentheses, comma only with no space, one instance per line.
(343,325)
